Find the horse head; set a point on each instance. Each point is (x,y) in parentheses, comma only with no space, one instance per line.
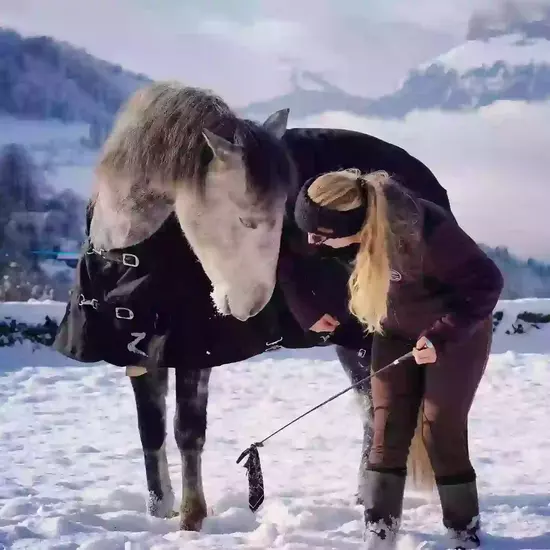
(181,149)
(234,221)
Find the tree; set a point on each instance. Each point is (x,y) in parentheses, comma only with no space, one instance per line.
(20,184)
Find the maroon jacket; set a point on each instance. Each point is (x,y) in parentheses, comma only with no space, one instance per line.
(450,291)
(455,288)
(314,281)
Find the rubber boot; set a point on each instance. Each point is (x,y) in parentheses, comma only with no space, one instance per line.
(382,495)
(460,507)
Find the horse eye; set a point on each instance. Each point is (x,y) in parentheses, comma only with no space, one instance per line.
(250,224)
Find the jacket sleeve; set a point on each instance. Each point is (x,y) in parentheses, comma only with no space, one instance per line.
(311,284)
(474,281)
(294,278)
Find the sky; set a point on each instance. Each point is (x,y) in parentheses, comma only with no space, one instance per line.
(493,163)
(246,50)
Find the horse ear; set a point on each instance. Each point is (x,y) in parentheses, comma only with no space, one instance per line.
(222,149)
(277,122)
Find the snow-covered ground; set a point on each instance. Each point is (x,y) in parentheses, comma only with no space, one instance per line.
(72,476)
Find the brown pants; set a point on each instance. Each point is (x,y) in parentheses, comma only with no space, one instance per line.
(445,390)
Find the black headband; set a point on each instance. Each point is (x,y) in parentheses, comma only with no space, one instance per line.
(321,220)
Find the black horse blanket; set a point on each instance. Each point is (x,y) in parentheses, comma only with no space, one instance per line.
(149,304)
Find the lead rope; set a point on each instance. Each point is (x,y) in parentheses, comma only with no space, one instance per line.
(253,465)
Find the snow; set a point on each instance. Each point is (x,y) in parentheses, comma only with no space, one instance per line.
(33,311)
(511,49)
(73,477)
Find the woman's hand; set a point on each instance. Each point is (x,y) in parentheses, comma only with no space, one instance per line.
(424,352)
(327,323)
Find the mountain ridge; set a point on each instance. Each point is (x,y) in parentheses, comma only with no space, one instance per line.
(505,56)
(43,78)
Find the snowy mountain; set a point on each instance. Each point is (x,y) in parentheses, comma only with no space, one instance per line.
(522,279)
(57,103)
(478,73)
(506,56)
(42,78)
(311,94)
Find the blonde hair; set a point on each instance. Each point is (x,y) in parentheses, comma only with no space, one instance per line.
(387,226)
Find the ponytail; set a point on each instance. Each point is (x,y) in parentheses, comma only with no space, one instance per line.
(369,283)
(388,237)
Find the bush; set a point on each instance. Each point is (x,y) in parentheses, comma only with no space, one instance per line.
(13,332)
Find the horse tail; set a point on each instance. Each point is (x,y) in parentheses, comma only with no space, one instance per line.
(419,467)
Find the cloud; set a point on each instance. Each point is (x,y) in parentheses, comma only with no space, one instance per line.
(451,15)
(362,55)
(494,164)
(245,51)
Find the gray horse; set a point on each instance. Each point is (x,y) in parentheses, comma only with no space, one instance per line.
(184,236)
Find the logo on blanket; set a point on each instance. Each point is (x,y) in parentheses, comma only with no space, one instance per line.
(395,275)
(132,346)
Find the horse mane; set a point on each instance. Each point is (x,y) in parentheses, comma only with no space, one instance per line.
(158,134)
(158,137)
(268,162)
(157,144)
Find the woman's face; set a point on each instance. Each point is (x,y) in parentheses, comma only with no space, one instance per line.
(339,242)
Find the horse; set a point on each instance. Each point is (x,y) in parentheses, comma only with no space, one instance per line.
(186,194)
(229,197)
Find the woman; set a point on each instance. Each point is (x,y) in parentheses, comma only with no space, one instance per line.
(418,282)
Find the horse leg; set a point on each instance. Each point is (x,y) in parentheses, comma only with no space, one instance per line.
(190,435)
(150,389)
(357,368)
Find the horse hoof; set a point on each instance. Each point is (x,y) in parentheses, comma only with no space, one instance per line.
(192,515)
(191,522)
(161,508)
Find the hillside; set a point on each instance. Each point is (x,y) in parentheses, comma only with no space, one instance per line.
(522,279)
(34,216)
(57,104)
(310,95)
(42,78)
